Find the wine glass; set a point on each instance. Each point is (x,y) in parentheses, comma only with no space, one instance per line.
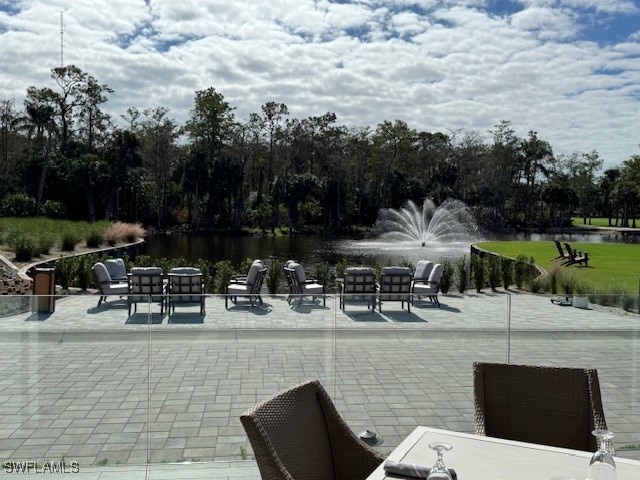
(439,471)
(602,466)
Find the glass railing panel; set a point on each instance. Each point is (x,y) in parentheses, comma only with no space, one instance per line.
(207,369)
(74,385)
(397,368)
(596,331)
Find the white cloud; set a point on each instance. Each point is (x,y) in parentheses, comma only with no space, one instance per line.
(443,66)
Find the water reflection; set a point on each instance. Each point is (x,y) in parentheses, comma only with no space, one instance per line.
(311,249)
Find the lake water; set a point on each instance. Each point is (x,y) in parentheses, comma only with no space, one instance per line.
(311,249)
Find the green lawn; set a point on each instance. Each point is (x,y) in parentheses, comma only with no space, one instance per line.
(613,268)
(596,222)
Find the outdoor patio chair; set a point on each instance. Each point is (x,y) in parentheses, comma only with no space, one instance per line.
(546,405)
(299,435)
(575,257)
(146,285)
(300,286)
(395,286)
(561,254)
(186,287)
(117,269)
(358,286)
(107,285)
(247,286)
(428,289)
(423,270)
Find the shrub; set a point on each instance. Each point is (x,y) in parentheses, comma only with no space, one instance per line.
(324,275)
(44,243)
(477,270)
(506,268)
(520,269)
(463,274)
(18,205)
(629,302)
(53,209)
(65,268)
(223,275)
(447,276)
(341,266)
(206,268)
(494,273)
(274,275)
(69,241)
(84,271)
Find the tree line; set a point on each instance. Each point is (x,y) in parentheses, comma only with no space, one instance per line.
(63,156)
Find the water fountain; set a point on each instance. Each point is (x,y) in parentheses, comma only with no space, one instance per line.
(413,232)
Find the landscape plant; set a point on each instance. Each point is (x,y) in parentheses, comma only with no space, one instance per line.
(520,269)
(274,276)
(462,279)
(69,241)
(492,268)
(478,272)
(324,275)
(506,269)
(223,274)
(447,276)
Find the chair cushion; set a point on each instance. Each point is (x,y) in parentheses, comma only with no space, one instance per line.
(185,271)
(101,272)
(300,275)
(359,271)
(436,273)
(396,271)
(238,288)
(423,270)
(146,271)
(253,273)
(424,289)
(116,268)
(115,289)
(313,288)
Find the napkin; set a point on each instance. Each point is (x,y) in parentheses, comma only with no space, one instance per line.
(411,470)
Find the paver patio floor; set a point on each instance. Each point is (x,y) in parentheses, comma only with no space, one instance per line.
(109,391)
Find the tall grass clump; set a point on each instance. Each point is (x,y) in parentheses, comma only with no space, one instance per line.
(94,237)
(69,241)
(462,279)
(554,278)
(24,246)
(123,232)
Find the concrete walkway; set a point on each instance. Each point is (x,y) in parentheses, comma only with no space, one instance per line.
(111,392)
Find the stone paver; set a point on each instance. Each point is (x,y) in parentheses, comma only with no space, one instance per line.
(91,385)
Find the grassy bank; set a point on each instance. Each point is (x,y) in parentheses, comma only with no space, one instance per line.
(613,268)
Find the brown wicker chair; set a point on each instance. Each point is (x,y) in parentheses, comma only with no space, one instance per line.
(546,405)
(299,435)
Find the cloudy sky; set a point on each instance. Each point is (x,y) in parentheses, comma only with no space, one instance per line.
(568,69)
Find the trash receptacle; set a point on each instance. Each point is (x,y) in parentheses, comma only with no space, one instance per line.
(44,289)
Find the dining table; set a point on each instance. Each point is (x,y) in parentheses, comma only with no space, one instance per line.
(475,457)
